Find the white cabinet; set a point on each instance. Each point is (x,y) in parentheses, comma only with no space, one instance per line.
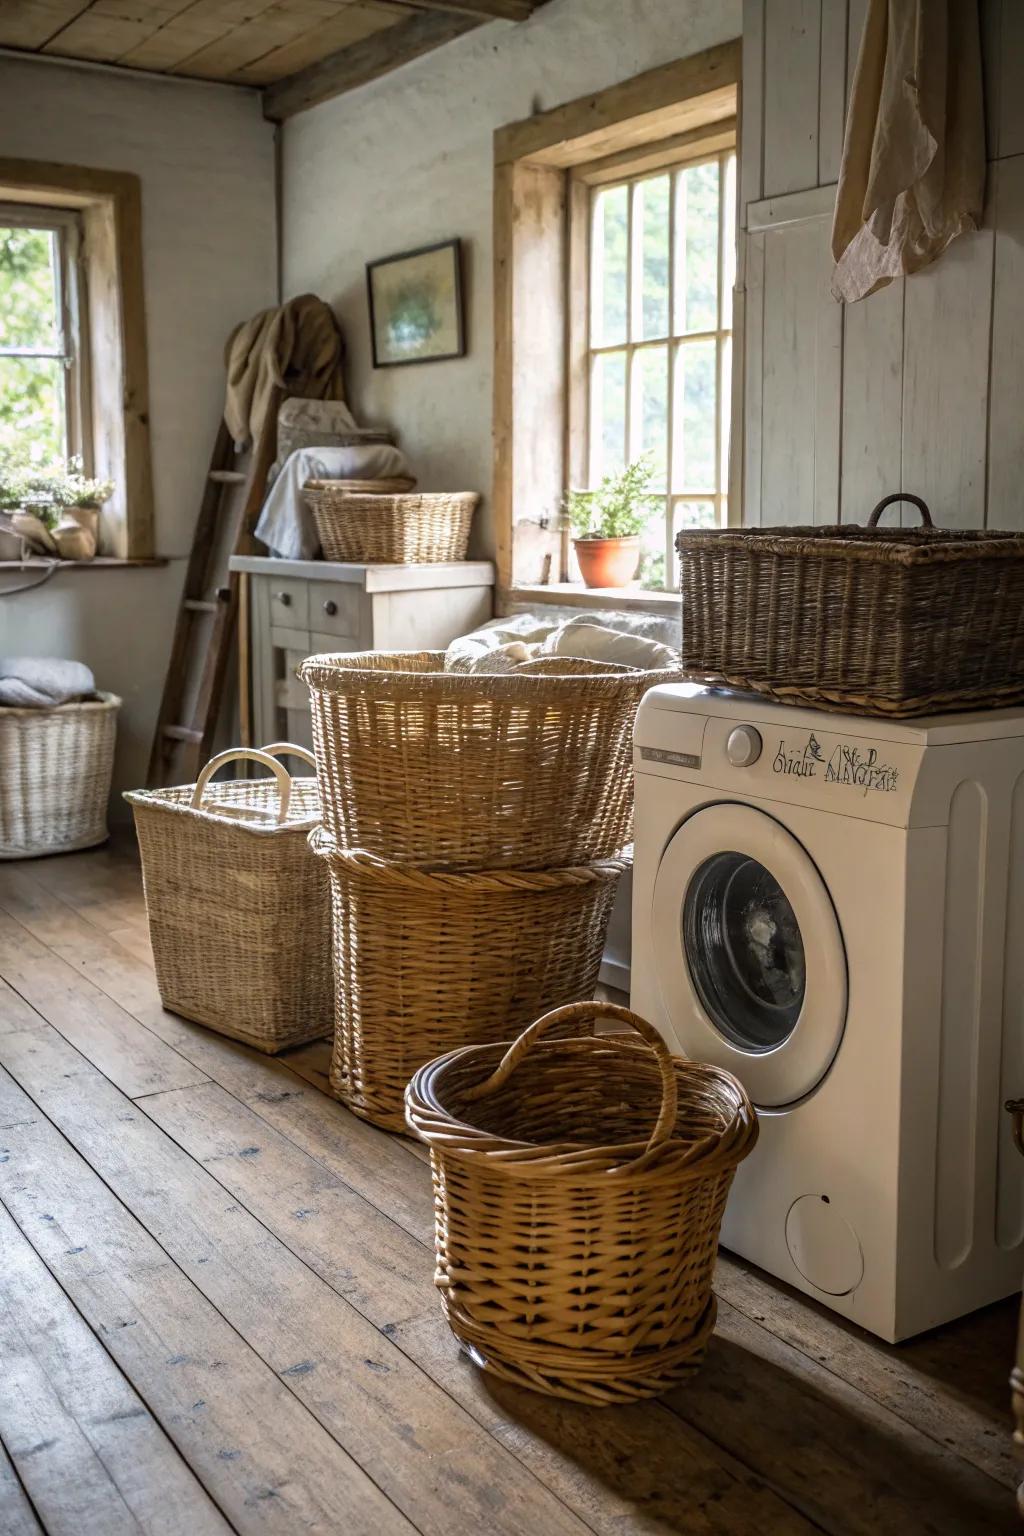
(298,608)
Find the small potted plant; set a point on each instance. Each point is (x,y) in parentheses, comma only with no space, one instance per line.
(55,510)
(607,524)
(80,499)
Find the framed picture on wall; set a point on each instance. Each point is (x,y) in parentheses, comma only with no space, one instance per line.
(416,305)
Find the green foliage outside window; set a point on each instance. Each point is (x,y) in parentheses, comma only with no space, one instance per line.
(32,427)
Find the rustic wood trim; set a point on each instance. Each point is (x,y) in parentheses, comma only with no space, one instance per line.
(111,202)
(639,120)
(503,435)
(791,208)
(670,99)
(487,10)
(364,61)
(671,151)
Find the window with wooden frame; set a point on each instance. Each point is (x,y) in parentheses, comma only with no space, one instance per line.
(656,340)
(44,397)
(73,368)
(614,269)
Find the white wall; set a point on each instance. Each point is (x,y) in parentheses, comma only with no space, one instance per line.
(919,387)
(206,160)
(408,160)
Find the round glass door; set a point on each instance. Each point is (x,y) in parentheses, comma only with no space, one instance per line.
(744,950)
(749,954)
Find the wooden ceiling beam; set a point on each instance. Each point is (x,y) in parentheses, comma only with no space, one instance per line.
(487,10)
(364,61)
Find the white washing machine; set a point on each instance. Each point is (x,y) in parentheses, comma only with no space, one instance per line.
(833,909)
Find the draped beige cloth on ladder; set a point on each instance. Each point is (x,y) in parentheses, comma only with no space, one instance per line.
(913,170)
(297,349)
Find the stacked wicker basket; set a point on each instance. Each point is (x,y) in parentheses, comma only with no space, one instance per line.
(473,830)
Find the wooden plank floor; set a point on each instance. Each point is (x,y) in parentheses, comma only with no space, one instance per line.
(216,1313)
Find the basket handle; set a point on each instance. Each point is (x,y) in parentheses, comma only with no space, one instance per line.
(518,1049)
(255,755)
(289,749)
(916,501)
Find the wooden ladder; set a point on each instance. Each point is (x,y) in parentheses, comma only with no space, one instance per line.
(194,687)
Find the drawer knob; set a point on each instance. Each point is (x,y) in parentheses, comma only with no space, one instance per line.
(330,607)
(284,598)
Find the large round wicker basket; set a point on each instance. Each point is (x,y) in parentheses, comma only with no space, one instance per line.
(530,769)
(55,770)
(579,1187)
(411,529)
(424,961)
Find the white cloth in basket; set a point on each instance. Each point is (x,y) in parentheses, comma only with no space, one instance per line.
(286,524)
(632,640)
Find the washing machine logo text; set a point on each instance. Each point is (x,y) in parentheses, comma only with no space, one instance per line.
(801,763)
(850,764)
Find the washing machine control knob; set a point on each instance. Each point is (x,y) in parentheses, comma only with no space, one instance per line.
(743,746)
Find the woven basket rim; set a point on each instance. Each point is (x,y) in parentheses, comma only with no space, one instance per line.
(425,877)
(156,800)
(546,1161)
(339,489)
(909,546)
(102,701)
(343,672)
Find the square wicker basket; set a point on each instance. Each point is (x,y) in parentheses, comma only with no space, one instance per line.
(238,906)
(895,621)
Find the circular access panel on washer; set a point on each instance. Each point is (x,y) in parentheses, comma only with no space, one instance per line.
(823,1246)
(749,954)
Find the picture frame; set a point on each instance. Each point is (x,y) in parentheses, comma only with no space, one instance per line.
(416,306)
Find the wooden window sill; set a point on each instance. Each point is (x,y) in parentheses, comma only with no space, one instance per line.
(572,594)
(101,562)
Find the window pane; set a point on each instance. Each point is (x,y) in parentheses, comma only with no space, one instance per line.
(608,275)
(728,242)
(650,215)
(694,465)
(28,289)
(607,415)
(690,514)
(649,411)
(697,248)
(32,429)
(652,548)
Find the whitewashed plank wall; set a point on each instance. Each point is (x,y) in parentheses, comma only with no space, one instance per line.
(917,388)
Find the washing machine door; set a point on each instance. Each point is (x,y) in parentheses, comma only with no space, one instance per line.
(750,958)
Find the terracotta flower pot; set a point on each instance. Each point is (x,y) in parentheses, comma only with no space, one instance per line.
(607,562)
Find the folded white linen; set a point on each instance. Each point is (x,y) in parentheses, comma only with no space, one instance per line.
(42,682)
(598,642)
(503,644)
(286,524)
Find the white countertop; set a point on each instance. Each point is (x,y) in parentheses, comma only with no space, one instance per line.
(373,578)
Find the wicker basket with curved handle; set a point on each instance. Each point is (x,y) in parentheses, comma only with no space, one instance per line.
(239,908)
(579,1189)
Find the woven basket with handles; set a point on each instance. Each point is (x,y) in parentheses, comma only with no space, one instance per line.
(579,1187)
(239,908)
(415,528)
(426,960)
(877,621)
(528,769)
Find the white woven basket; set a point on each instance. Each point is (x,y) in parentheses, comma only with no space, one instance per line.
(55,769)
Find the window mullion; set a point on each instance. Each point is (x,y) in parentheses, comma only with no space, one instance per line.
(719,348)
(673,208)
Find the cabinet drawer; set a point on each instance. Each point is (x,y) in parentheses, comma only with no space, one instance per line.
(289,602)
(334,609)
